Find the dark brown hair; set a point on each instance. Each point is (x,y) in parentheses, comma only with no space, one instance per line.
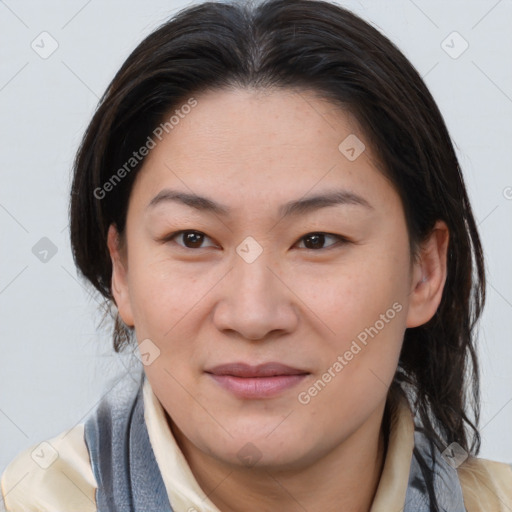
(319,46)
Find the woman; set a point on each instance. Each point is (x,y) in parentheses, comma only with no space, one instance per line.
(269,196)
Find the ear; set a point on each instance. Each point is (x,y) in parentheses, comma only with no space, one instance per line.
(120,289)
(428,276)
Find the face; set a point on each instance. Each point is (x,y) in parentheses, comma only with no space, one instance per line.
(268,323)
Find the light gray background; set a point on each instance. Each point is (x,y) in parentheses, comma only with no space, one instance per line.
(54,364)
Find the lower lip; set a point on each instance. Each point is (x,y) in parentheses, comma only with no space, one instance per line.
(257,387)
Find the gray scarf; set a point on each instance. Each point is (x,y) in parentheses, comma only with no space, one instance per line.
(129,479)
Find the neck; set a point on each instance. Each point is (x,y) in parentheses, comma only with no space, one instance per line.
(345,479)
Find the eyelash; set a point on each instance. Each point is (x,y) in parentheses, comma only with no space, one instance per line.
(341,240)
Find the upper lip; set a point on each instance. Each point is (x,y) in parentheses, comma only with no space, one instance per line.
(261,370)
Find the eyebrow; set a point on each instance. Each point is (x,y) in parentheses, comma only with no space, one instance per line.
(291,208)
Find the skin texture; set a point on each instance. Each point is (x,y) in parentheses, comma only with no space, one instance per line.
(253,151)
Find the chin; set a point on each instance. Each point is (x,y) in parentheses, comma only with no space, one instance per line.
(271,452)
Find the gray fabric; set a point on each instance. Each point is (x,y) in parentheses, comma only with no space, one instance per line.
(446,482)
(122,458)
(129,479)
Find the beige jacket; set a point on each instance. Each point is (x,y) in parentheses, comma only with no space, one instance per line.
(56,475)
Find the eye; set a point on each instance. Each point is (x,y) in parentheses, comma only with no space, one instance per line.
(316,240)
(313,241)
(191,239)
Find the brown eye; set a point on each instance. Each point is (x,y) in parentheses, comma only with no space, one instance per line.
(315,241)
(191,239)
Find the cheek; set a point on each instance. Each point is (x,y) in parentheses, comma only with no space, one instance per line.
(364,307)
(351,295)
(359,360)
(158,305)
(162,291)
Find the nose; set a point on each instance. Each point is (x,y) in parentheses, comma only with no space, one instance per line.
(256,301)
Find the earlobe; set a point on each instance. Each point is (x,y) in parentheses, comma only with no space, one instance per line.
(119,282)
(428,277)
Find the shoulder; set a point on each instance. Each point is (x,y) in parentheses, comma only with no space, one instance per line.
(486,484)
(51,476)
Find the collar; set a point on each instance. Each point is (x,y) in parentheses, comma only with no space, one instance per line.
(183,489)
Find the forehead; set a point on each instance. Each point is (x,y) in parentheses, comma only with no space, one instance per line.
(271,123)
(270,146)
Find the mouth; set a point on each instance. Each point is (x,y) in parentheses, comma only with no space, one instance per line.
(256,382)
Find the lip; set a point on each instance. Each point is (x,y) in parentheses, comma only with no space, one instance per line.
(270,369)
(260,381)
